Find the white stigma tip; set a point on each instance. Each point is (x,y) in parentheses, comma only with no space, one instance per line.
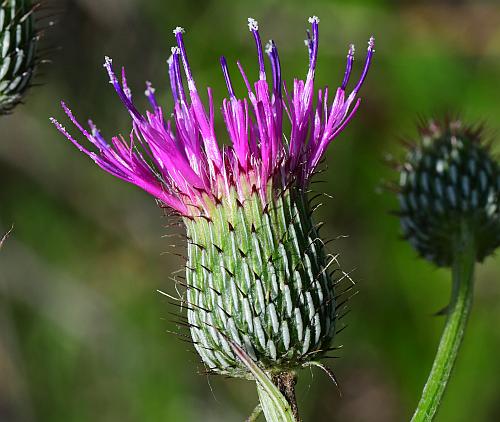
(269,47)
(107,61)
(178,30)
(313,19)
(149,89)
(352,50)
(253,25)
(371,43)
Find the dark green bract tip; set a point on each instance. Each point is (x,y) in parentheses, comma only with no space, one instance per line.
(448,178)
(18,49)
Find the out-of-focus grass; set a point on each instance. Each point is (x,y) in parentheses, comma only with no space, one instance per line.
(82,329)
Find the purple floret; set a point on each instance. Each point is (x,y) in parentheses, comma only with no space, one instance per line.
(180,162)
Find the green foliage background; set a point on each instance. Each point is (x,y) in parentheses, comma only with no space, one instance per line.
(83,333)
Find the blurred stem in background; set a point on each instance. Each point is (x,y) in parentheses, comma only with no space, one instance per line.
(453,333)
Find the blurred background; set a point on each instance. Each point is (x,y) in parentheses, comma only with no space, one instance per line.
(83,332)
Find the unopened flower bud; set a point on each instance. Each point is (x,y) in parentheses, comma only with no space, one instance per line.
(448,178)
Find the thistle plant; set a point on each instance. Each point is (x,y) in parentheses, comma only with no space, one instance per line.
(449,195)
(261,298)
(18,52)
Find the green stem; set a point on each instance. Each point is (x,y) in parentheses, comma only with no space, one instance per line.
(458,312)
(273,410)
(274,405)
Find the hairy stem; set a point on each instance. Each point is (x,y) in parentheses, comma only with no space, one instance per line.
(453,333)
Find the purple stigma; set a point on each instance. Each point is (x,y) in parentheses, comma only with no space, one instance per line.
(113,80)
(171,77)
(369,55)
(97,135)
(348,68)
(309,44)
(150,95)
(253,25)
(178,31)
(126,89)
(177,74)
(227,78)
(272,53)
(314,21)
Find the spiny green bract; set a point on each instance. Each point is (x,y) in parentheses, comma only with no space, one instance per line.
(18,48)
(258,277)
(449,177)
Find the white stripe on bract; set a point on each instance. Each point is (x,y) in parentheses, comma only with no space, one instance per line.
(298,324)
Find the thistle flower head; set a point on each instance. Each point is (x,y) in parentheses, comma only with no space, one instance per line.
(180,162)
(257,274)
(449,177)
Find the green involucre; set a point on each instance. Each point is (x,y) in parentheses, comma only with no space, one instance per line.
(258,277)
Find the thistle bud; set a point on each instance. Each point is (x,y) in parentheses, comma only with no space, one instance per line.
(18,49)
(449,177)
